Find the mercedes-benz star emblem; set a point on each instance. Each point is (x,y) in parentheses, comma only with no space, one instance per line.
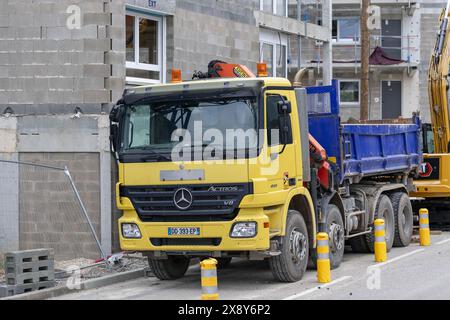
(182,199)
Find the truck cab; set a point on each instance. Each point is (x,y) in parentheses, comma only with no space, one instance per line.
(213,168)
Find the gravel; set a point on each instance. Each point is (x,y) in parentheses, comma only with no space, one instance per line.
(88,269)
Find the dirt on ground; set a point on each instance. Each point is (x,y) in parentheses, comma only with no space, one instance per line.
(88,269)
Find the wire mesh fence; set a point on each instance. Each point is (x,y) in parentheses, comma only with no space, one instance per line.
(49,208)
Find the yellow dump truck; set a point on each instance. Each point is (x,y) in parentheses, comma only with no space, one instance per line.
(227,168)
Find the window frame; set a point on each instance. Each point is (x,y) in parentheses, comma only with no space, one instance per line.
(270,143)
(161,66)
(338,40)
(359,92)
(274,39)
(274,7)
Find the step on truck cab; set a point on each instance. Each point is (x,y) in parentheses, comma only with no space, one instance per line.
(228,168)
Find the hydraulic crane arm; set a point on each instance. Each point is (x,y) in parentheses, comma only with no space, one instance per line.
(438,85)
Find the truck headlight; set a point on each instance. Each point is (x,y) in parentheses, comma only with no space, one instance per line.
(131,231)
(243,230)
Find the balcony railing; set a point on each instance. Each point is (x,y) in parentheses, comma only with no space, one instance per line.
(403,48)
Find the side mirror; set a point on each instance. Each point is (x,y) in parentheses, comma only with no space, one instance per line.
(114,115)
(114,118)
(114,137)
(284,111)
(284,107)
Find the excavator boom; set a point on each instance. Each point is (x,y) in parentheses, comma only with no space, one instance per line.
(438,85)
(433,185)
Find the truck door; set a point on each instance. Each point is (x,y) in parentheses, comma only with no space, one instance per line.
(281,168)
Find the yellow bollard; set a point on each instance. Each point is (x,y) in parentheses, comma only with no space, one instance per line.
(209,279)
(380,241)
(424,231)
(323,258)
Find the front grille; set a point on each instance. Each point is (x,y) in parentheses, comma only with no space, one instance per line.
(161,242)
(209,202)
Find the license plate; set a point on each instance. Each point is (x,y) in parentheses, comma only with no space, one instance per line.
(184,231)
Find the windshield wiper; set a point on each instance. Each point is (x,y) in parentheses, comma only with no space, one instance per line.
(153,156)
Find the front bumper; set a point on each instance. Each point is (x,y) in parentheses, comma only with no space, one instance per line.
(209,230)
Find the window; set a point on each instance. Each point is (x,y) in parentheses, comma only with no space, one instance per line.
(277,7)
(153,126)
(267,56)
(273,123)
(273,52)
(391,38)
(144,48)
(349,91)
(346,30)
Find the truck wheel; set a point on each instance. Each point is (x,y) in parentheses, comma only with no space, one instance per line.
(290,265)
(384,211)
(172,268)
(403,214)
(336,234)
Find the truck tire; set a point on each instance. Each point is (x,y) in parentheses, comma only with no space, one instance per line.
(384,210)
(404,222)
(290,265)
(172,268)
(336,233)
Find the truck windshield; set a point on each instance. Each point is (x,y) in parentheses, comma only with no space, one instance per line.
(162,126)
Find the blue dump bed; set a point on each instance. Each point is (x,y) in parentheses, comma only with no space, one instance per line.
(362,150)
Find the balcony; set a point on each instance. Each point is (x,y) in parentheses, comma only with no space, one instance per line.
(397,53)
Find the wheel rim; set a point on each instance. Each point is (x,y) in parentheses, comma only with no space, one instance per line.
(405,220)
(388,225)
(336,236)
(297,246)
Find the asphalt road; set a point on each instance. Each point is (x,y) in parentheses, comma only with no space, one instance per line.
(410,273)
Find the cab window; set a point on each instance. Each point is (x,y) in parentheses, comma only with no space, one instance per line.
(273,122)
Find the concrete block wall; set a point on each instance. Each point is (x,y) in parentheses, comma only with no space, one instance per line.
(50,216)
(41,209)
(47,71)
(44,65)
(205,30)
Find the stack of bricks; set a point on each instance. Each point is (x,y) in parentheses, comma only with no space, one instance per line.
(28,271)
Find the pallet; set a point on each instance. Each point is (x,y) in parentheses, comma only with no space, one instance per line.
(27,271)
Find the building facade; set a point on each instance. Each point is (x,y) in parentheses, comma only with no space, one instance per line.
(400,30)
(64,63)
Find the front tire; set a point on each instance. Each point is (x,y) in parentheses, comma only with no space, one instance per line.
(404,222)
(290,265)
(173,268)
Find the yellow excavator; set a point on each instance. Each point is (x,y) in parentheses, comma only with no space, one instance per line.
(433,185)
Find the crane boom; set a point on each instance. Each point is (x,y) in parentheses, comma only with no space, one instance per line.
(438,85)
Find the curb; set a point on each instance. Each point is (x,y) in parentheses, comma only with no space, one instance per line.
(86,285)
